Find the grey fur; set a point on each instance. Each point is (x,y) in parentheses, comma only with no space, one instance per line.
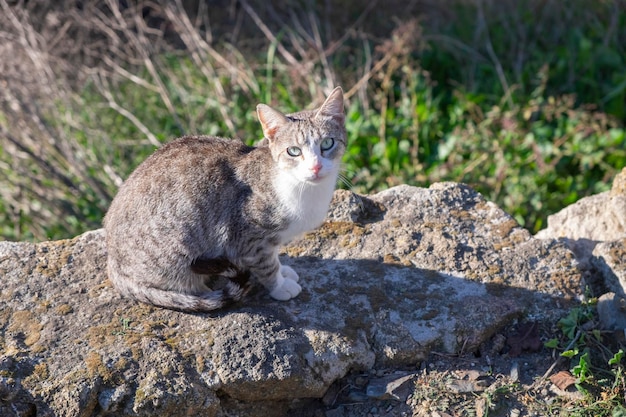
(202,206)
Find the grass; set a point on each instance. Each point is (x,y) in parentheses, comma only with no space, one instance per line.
(522,100)
(596,362)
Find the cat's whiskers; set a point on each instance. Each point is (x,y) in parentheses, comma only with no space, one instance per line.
(345,181)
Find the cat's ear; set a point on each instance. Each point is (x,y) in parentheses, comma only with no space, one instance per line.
(333,106)
(271,120)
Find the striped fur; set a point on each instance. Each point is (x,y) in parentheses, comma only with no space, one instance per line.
(203,207)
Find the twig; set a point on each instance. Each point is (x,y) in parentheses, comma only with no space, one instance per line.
(106,92)
(269,35)
(494,57)
(557,361)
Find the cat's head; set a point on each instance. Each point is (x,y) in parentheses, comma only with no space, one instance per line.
(307,145)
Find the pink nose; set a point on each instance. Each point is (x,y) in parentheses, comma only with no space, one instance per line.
(316,168)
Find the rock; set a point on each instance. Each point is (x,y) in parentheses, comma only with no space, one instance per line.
(600,217)
(585,225)
(612,312)
(390,387)
(386,279)
(608,261)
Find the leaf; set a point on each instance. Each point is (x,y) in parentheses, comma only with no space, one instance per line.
(552,343)
(570,353)
(581,371)
(563,380)
(617,358)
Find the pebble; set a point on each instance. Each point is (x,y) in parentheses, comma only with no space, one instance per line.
(357,396)
(514,372)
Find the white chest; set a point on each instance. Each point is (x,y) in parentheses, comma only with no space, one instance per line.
(307,204)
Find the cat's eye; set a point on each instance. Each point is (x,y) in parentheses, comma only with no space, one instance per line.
(327,143)
(294,151)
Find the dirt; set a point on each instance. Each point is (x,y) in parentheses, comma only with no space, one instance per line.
(493,381)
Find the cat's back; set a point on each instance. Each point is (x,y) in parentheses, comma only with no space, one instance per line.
(177,175)
(189,154)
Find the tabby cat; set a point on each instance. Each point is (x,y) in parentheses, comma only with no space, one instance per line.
(204,207)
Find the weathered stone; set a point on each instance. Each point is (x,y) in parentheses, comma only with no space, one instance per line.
(390,387)
(612,312)
(584,225)
(608,261)
(385,280)
(600,217)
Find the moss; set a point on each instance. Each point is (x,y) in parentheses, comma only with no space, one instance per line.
(173,342)
(330,230)
(25,323)
(39,374)
(103,335)
(38,348)
(41,371)
(140,396)
(95,367)
(93,363)
(293,251)
(200,365)
(494,270)
(96,291)
(503,229)
(121,365)
(53,256)
(392,259)
(64,309)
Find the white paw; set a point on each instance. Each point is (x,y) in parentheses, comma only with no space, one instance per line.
(288,272)
(286,289)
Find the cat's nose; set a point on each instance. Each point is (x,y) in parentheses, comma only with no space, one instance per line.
(316,168)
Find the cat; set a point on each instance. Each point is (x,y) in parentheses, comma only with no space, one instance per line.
(204,207)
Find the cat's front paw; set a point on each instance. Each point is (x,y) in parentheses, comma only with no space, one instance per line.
(288,272)
(286,289)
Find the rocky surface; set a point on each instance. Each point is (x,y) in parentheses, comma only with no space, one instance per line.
(601,217)
(594,228)
(388,280)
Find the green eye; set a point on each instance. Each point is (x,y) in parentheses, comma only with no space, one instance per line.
(327,143)
(294,151)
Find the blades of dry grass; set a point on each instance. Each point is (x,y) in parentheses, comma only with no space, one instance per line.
(482,23)
(104,88)
(291,60)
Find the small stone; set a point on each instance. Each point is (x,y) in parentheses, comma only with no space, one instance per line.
(389,387)
(514,372)
(612,312)
(463,386)
(356,396)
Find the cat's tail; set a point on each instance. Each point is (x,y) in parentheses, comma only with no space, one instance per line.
(231,293)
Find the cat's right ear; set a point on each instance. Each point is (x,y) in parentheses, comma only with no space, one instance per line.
(271,120)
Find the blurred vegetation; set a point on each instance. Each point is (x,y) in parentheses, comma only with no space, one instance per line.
(523,100)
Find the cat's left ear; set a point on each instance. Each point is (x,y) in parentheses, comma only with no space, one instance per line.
(271,120)
(333,106)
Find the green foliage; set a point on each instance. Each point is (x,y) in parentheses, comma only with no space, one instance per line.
(522,100)
(596,362)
